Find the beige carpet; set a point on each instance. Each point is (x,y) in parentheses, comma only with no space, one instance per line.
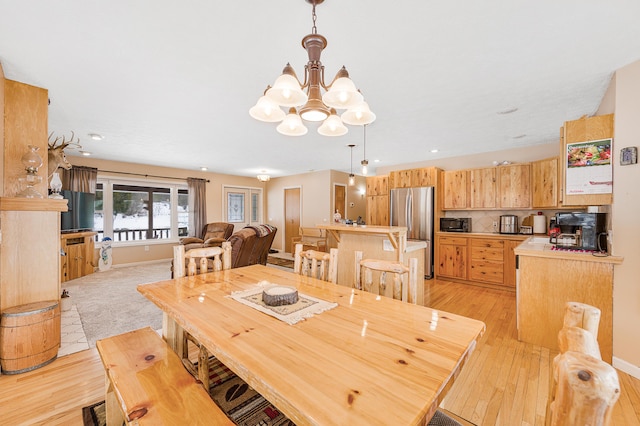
(109,304)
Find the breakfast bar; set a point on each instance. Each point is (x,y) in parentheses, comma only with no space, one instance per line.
(375,242)
(549,278)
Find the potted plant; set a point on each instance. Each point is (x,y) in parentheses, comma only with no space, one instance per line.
(65,300)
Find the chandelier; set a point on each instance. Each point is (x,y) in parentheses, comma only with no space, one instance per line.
(288,92)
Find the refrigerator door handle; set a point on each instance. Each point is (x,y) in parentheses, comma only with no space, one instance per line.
(409,209)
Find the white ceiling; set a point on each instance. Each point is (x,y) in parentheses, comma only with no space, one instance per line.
(170,83)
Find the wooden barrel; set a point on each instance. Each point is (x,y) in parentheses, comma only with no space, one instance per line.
(29,336)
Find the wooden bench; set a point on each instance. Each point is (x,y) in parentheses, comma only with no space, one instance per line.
(311,239)
(146,383)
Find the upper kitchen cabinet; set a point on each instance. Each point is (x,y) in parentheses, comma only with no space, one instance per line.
(377,201)
(483,188)
(585,146)
(427,176)
(515,186)
(377,185)
(545,183)
(455,190)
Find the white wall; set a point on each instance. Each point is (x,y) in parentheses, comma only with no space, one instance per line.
(626,223)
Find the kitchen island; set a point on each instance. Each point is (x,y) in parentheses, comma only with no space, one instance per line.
(375,242)
(548,279)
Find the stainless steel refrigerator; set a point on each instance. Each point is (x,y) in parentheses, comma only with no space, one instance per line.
(413,208)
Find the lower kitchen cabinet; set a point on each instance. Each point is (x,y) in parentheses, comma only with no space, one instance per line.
(452,257)
(486,259)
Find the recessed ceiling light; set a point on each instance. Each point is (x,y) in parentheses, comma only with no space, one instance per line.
(85,153)
(204,169)
(507,111)
(376,161)
(96,137)
(434,150)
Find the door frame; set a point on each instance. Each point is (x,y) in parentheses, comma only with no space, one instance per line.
(249,190)
(333,200)
(284,213)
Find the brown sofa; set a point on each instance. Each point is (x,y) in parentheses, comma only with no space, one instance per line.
(212,235)
(251,245)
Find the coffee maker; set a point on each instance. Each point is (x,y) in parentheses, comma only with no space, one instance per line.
(581,231)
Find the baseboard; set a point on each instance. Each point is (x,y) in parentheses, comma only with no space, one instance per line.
(145,262)
(627,367)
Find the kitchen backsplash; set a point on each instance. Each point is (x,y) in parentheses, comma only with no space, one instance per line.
(483,220)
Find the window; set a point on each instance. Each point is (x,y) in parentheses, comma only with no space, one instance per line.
(129,211)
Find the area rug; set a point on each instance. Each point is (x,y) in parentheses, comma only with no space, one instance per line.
(246,407)
(279,261)
(94,415)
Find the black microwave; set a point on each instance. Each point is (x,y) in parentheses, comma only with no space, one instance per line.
(455,224)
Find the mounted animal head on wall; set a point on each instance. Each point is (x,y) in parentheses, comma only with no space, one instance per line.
(56,154)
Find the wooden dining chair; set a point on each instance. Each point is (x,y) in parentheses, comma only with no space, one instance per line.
(405,278)
(316,264)
(184,264)
(584,388)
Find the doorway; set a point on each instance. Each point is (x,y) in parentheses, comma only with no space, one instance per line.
(291,217)
(340,199)
(242,206)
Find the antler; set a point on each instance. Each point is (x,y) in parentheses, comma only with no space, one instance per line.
(64,143)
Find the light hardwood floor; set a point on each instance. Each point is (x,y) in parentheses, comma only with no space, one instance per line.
(504,383)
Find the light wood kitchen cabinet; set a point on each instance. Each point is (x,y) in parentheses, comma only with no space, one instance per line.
(77,260)
(426,176)
(377,185)
(455,189)
(487,260)
(483,188)
(544,183)
(377,201)
(480,259)
(515,186)
(452,257)
(510,263)
(584,130)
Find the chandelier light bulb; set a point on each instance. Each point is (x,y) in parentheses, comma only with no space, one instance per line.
(352,179)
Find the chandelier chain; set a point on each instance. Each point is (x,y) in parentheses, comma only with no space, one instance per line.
(314,30)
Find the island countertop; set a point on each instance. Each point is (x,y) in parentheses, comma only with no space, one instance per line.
(394,233)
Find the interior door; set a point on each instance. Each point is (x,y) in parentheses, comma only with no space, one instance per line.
(242,206)
(291,217)
(340,199)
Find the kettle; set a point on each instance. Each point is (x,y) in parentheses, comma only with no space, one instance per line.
(509,224)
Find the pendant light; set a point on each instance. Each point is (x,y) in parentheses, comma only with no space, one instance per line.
(364,162)
(352,177)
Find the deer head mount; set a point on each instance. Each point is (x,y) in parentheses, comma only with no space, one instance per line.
(56,154)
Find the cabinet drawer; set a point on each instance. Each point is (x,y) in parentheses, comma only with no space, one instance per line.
(487,243)
(487,271)
(455,241)
(483,253)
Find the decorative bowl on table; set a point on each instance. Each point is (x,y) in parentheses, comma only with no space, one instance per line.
(279,295)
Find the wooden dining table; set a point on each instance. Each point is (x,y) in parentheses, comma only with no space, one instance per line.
(370,360)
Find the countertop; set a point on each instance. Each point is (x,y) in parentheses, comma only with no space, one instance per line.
(539,246)
(364,229)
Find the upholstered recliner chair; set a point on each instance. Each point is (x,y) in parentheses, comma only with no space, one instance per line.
(251,245)
(212,235)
